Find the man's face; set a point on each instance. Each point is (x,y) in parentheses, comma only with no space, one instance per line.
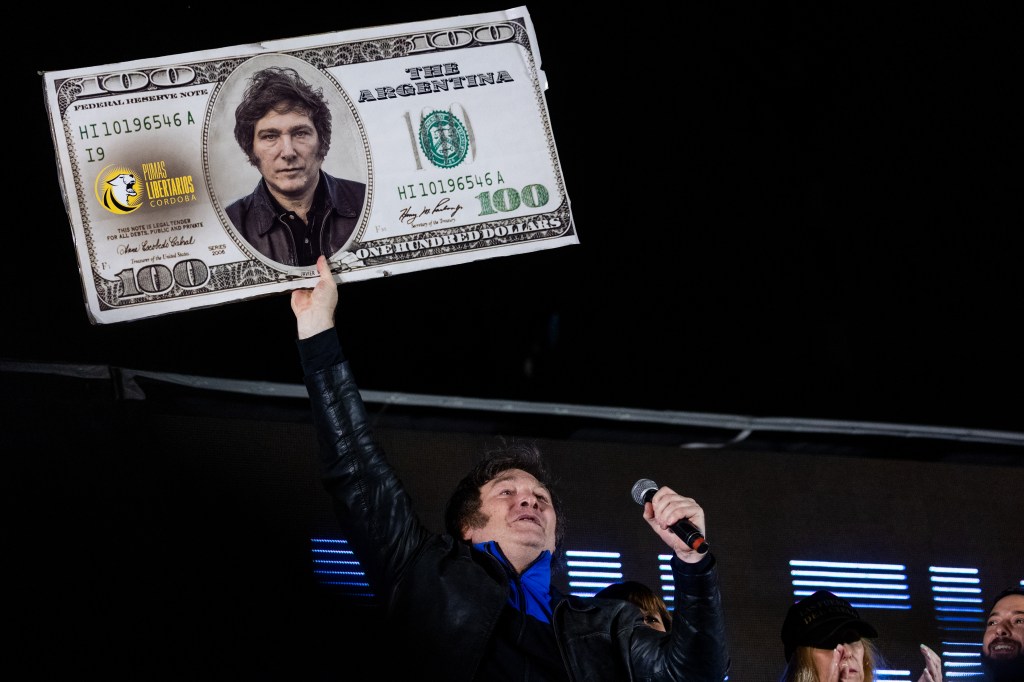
(1004,630)
(518,511)
(286,147)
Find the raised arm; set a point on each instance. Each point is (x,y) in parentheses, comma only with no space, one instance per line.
(699,650)
(374,512)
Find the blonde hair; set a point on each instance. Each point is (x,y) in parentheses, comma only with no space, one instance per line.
(801,666)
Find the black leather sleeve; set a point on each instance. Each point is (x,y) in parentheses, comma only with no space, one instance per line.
(372,507)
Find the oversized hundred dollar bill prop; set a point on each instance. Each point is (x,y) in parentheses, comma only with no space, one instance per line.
(444,121)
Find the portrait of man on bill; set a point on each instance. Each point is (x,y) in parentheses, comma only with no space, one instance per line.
(297,211)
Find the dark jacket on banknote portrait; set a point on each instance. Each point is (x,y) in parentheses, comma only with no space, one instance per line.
(450,603)
(262,222)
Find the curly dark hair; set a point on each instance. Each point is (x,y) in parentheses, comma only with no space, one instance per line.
(463,507)
(1005,593)
(283,90)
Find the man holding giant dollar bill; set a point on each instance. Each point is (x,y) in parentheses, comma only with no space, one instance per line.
(476,603)
(297,211)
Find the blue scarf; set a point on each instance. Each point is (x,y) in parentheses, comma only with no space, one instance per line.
(531,591)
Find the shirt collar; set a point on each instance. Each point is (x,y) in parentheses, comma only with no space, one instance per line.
(529,592)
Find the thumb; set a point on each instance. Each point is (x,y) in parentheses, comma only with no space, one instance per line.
(323,268)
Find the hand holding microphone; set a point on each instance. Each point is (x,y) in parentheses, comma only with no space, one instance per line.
(644,490)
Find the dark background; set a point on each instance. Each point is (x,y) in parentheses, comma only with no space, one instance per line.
(784,210)
(789,210)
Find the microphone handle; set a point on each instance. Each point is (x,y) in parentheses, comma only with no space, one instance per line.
(690,535)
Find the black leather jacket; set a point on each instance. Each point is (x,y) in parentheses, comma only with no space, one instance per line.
(444,598)
(257,220)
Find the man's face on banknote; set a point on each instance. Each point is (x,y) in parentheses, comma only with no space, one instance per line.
(287,148)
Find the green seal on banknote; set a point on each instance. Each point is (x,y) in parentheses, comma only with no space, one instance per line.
(444,139)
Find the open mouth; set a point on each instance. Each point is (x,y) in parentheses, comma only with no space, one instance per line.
(1003,649)
(528,517)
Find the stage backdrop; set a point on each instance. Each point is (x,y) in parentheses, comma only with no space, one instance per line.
(181,533)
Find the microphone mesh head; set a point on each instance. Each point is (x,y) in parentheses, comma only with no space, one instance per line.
(641,488)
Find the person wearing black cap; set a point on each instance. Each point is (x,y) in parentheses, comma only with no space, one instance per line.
(826,640)
(1002,647)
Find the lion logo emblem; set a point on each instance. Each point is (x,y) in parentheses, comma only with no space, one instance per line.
(118,190)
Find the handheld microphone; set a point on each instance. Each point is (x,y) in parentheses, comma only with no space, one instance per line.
(643,491)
